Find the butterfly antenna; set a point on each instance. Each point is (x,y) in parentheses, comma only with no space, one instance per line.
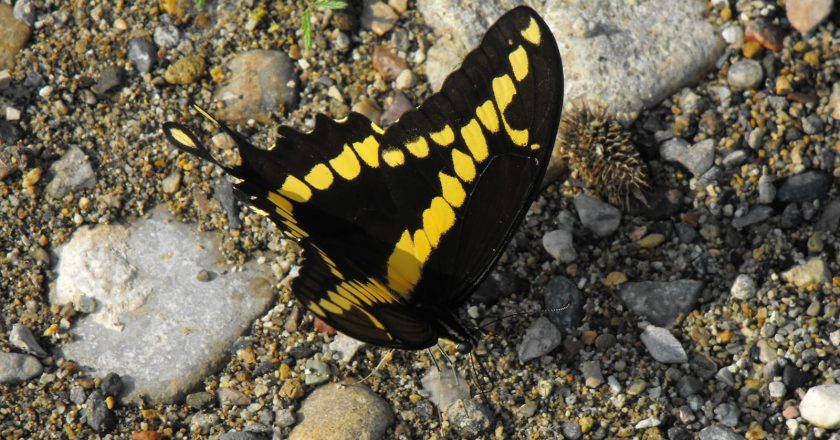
(434,361)
(449,361)
(478,378)
(542,311)
(386,358)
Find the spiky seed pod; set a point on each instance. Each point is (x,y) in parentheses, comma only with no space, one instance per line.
(601,155)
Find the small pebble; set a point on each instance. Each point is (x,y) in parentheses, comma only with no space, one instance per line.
(745,74)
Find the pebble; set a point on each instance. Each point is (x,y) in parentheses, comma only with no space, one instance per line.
(733,35)
(284,417)
(599,217)
(200,400)
(562,294)
(388,64)
(72,173)
(316,373)
(260,82)
(807,186)
(743,288)
(776,389)
(370,109)
(99,417)
(757,214)
(353,411)
(735,158)
(541,338)
(445,386)
(398,107)
(834,101)
(241,435)
(378,17)
(559,244)
(651,241)
(17,368)
(185,70)
(405,80)
(830,218)
(398,5)
(767,34)
(745,74)
(718,432)
(111,79)
(805,15)
(821,406)
(814,271)
(727,414)
(171,183)
(346,346)
(663,346)
(661,302)
(22,338)
(791,216)
(766,190)
(167,36)
(572,430)
(232,397)
(697,158)
(142,53)
(469,418)
(592,375)
(112,385)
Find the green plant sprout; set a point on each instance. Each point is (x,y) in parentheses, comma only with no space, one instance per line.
(306,20)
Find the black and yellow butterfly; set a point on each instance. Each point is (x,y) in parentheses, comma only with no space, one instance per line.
(399,226)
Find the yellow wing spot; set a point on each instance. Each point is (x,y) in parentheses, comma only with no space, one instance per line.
(319,177)
(474,138)
(377,129)
(286,215)
(316,309)
(295,189)
(339,300)
(532,32)
(330,307)
(418,147)
(444,137)
(437,220)
(204,113)
(346,164)
(422,247)
(294,229)
(403,267)
(182,137)
(259,211)
(280,202)
(504,91)
(519,63)
(487,115)
(347,293)
(452,190)
(535,147)
(393,157)
(464,165)
(368,150)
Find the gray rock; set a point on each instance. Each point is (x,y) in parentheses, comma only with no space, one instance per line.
(776,389)
(808,186)
(725,376)
(469,418)
(242,435)
(199,400)
(663,346)
(756,214)
(743,288)
(733,35)
(399,106)
(70,173)
(572,430)
(22,338)
(541,338)
(766,190)
(745,74)
(812,124)
(613,52)
(821,406)
(17,368)
(97,415)
(697,158)
(756,137)
(378,17)
(735,158)
(445,386)
(592,375)
(284,417)
(599,217)
(78,395)
(830,217)
(260,83)
(805,15)
(345,346)
(563,295)
(661,301)
(24,11)
(150,308)
(791,216)
(111,79)
(718,432)
(814,271)
(339,411)
(727,414)
(112,385)
(142,53)
(559,244)
(232,397)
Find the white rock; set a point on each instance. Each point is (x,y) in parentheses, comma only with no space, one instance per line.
(821,406)
(663,346)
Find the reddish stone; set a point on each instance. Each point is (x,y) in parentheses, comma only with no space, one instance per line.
(768,35)
(323,327)
(387,63)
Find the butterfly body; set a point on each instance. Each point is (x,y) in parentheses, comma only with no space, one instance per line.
(399,226)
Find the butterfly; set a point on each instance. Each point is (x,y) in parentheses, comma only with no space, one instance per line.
(399,226)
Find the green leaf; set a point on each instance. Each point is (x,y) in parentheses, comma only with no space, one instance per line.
(330,4)
(199,4)
(306,29)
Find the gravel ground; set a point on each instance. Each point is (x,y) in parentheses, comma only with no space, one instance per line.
(752,350)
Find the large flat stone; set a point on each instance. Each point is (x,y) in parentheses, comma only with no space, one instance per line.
(155,324)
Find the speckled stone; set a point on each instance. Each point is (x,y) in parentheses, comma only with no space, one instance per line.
(343,412)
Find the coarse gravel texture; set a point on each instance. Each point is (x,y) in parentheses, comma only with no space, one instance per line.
(601,382)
